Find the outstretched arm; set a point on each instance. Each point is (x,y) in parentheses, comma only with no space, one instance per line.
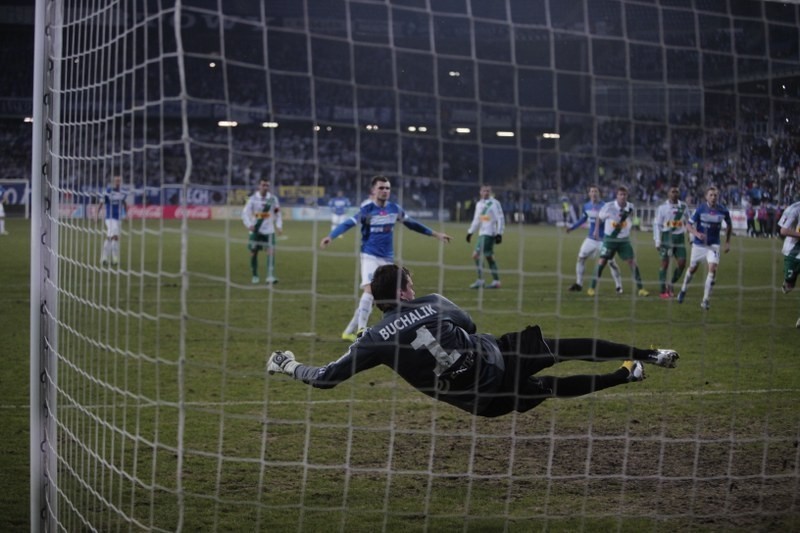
(338,230)
(356,359)
(413,225)
(578,223)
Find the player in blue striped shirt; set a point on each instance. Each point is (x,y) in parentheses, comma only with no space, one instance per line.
(377,218)
(112,203)
(591,244)
(706,226)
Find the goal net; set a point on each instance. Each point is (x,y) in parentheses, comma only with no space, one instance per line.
(155,121)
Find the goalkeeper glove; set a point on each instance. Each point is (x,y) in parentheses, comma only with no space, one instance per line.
(498,239)
(469,237)
(282,362)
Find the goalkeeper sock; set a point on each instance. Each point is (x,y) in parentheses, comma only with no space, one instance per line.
(479,267)
(364,310)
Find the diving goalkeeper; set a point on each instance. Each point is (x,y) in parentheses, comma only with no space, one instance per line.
(432,344)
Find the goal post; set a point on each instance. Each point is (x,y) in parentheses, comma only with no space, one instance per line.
(44,273)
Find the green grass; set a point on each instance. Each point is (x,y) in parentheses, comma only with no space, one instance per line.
(155,362)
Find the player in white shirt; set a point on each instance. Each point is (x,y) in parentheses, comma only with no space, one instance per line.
(491,221)
(617,219)
(262,218)
(669,231)
(789,225)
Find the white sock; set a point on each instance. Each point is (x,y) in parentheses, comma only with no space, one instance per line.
(351,326)
(580,269)
(115,251)
(106,250)
(709,284)
(686,280)
(2,225)
(364,310)
(615,273)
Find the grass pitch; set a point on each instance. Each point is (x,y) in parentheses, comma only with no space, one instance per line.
(167,418)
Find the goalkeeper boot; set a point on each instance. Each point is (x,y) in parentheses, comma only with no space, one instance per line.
(477,285)
(254,280)
(590,291)
(664,357)
(635,370)
(495,284)
(644,292)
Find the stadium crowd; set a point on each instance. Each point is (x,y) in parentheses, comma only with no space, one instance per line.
(748,169)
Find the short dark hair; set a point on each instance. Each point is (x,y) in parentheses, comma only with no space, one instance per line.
(376,179)
(386,281)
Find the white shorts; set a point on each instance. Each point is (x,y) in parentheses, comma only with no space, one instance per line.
(701,252)
(590,248)
(369,264)
(338,219)
(112,227)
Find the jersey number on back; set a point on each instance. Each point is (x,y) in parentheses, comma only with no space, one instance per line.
(444,360)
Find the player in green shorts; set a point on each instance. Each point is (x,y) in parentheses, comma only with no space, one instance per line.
(616,218)
(489,220)
(669,232)
(789,225)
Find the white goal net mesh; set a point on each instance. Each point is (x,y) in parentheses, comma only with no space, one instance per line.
(155,408)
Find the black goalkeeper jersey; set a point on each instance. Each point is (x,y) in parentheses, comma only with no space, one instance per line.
(431,343)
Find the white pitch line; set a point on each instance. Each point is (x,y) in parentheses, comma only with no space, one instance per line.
(420,400)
